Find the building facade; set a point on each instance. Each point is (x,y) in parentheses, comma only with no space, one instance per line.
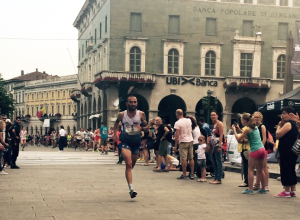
(196,55)
(52,93)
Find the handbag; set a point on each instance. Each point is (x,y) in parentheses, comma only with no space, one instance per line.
(246,154)
(296,147)
(209,148)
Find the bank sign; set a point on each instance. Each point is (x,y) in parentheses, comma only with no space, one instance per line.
(195,81)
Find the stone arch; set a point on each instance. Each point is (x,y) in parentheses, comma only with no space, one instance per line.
(242,105)
(143,104)
(168,106)
(205,113)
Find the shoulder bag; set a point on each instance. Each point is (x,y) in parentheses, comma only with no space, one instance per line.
(296,147)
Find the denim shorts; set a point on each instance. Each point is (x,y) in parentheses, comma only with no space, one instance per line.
(134,150)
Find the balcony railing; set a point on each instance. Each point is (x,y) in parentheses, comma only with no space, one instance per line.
(75,95)
(105,77)
(247,83)
(86,89)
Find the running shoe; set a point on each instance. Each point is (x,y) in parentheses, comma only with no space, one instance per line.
(256,187)
(262,191)
(132,193)
(293,194)
(247,191)
(283,194)
(106,152)
(192,176)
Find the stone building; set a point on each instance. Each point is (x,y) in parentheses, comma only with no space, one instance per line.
(197,55)
(35,90)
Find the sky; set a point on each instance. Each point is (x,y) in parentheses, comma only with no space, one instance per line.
(38,34)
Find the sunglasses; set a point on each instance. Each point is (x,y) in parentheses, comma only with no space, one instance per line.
(201,140)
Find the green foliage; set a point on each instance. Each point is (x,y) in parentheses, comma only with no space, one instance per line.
(6,100)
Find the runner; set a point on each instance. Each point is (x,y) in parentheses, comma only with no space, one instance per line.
(97,140)
(79,137)
(69,140)
(37,139)
(103,131)
(132,120)
(87,135)
(23,135)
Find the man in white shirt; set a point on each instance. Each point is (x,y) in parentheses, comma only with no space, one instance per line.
(79,137)
(184,137)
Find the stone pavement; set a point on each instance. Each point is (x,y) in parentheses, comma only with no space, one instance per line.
(99,191)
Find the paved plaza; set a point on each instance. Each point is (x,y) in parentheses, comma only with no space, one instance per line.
(81,185)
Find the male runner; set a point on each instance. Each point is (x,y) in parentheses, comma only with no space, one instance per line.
(133,122)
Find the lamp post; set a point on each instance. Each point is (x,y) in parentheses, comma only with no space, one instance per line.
(258,34)
(206,104)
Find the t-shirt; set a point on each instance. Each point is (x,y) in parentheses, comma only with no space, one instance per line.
(196,134)
(103,131)
(207,129)
(62,132)
(87,135)
(80,135)
(201,151)
(184,125)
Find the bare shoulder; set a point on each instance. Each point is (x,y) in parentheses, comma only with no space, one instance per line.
(142,114)
(120,116)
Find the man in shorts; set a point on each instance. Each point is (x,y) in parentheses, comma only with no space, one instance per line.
(133,122)
(79,137)
(103,132)
(185,139)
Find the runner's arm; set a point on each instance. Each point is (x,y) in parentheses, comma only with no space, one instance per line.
(116,126)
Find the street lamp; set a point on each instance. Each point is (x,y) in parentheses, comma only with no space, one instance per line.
(258,34)
(206,104)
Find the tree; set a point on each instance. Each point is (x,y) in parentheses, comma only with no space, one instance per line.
(6,100)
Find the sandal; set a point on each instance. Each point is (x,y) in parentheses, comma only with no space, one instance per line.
(243,185)
(157,170)
(182,177)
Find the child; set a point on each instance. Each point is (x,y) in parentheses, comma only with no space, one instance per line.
(172,162)
(201,162)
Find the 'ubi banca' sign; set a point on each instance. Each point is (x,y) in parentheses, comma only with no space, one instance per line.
(175,80)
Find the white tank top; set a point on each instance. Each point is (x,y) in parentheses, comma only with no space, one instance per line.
(130,125)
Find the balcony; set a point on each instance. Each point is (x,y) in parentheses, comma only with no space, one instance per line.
(25,118)
(236,84)
(105,78)
(75,96)
(43,117)
(86,89)
(54,117)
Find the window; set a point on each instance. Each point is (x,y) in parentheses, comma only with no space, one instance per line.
(47,94)
(280,67)
(28,111)
(42,95)
(248,1)
(58,108)
(32,96)
(211,27)
(52,109)
(28,97)
(105,24)
(136,22)
(52,94)
(64,93)
(69,109)
(32,110)
(246,64)
(82,53)
(47,109)
(100,31)
(174,24)
(210,63)
(58,93)
(283,2)
(283,30)
(95,36)
(64,110)
(135,59)
(37,109)
(173,61)
(37,96)
(247,28)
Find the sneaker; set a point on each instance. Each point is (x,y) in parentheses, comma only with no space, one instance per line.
(132,193)
(106,153)
(262,191)
(192,176)
(283,194)
(256,187)
(3,173)
(267,188)
(247,191)
(98,150)
(14,167)
(293,194)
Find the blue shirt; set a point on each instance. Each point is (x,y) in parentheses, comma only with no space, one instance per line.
(103,131)
(207,129)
